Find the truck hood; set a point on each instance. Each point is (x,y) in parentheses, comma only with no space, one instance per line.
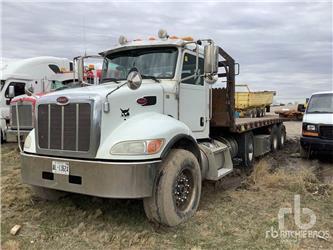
(101,90)
(318,118)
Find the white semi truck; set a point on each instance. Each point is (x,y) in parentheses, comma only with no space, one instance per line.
(157,138)
(40,75)
(23,106)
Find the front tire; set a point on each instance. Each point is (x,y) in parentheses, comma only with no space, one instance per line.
(305,154)
(274,138)
(2,138)
(177,189)
(282,136)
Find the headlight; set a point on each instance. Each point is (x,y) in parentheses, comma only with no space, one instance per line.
(310,130)
(311,127)
(143,147)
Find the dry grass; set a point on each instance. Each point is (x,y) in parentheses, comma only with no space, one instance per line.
(227,218)
(296,181)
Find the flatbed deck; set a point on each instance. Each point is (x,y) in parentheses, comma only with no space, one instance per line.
(246,124)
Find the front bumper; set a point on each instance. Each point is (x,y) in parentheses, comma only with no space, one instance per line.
(97,178)
(12,134)
(317,144)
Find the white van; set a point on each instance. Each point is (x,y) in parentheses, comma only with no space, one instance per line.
(317,127)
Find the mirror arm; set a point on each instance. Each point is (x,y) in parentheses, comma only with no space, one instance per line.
(118,87)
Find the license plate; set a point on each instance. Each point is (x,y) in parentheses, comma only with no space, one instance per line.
(60,167)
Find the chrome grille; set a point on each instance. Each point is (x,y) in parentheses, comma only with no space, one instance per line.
(326,132)
(64,127)
(25,116)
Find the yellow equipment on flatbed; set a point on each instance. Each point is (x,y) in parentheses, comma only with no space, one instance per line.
(253,104)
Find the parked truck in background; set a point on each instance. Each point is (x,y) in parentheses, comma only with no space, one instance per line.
(22,107)
(156,139)
(317,125)
(39,74)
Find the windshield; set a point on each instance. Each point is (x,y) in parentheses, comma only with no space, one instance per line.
(322,103)
(58,85)
(154,62)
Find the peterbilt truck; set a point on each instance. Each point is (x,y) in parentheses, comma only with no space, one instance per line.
(154,129)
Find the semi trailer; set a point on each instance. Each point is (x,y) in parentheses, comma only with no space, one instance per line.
(154,129)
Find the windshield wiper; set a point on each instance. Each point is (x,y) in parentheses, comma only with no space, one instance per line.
(150,77)
(109,79)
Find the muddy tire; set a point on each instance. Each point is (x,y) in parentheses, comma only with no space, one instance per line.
(2,139)
(305,154)
(259,112)
(246,149)
(254,113)
(268,109)
(274,138)
(177,189)
(47,193)
(282,136)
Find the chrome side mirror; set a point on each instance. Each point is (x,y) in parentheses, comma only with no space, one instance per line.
(11,91)
(211,63)
(134,79)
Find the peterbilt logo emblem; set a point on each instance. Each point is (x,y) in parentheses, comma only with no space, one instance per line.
(62,100)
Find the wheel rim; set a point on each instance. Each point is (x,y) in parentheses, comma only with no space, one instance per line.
(250,154)
(183,189)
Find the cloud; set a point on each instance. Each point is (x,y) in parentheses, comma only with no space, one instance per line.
(285,47)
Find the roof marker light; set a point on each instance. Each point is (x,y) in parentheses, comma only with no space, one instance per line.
(122,40)
(163,34)
(188,38)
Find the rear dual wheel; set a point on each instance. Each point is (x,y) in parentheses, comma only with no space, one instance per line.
(246,149)
(177,189)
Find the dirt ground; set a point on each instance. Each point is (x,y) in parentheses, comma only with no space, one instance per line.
(234,213)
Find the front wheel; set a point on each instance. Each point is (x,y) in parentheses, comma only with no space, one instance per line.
(274,138)
(304,153)
(282,136)
(177,189)
(2,138)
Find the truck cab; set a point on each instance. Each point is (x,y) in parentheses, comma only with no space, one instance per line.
(153,129)
(33,73)
(317,125)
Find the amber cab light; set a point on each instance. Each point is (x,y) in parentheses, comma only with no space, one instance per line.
(154,146)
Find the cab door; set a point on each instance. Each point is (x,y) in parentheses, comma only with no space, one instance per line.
(193,97)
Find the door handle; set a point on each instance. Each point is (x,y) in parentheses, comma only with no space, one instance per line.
(202,121)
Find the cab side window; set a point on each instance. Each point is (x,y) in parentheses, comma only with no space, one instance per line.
(189,69)
(19,88)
